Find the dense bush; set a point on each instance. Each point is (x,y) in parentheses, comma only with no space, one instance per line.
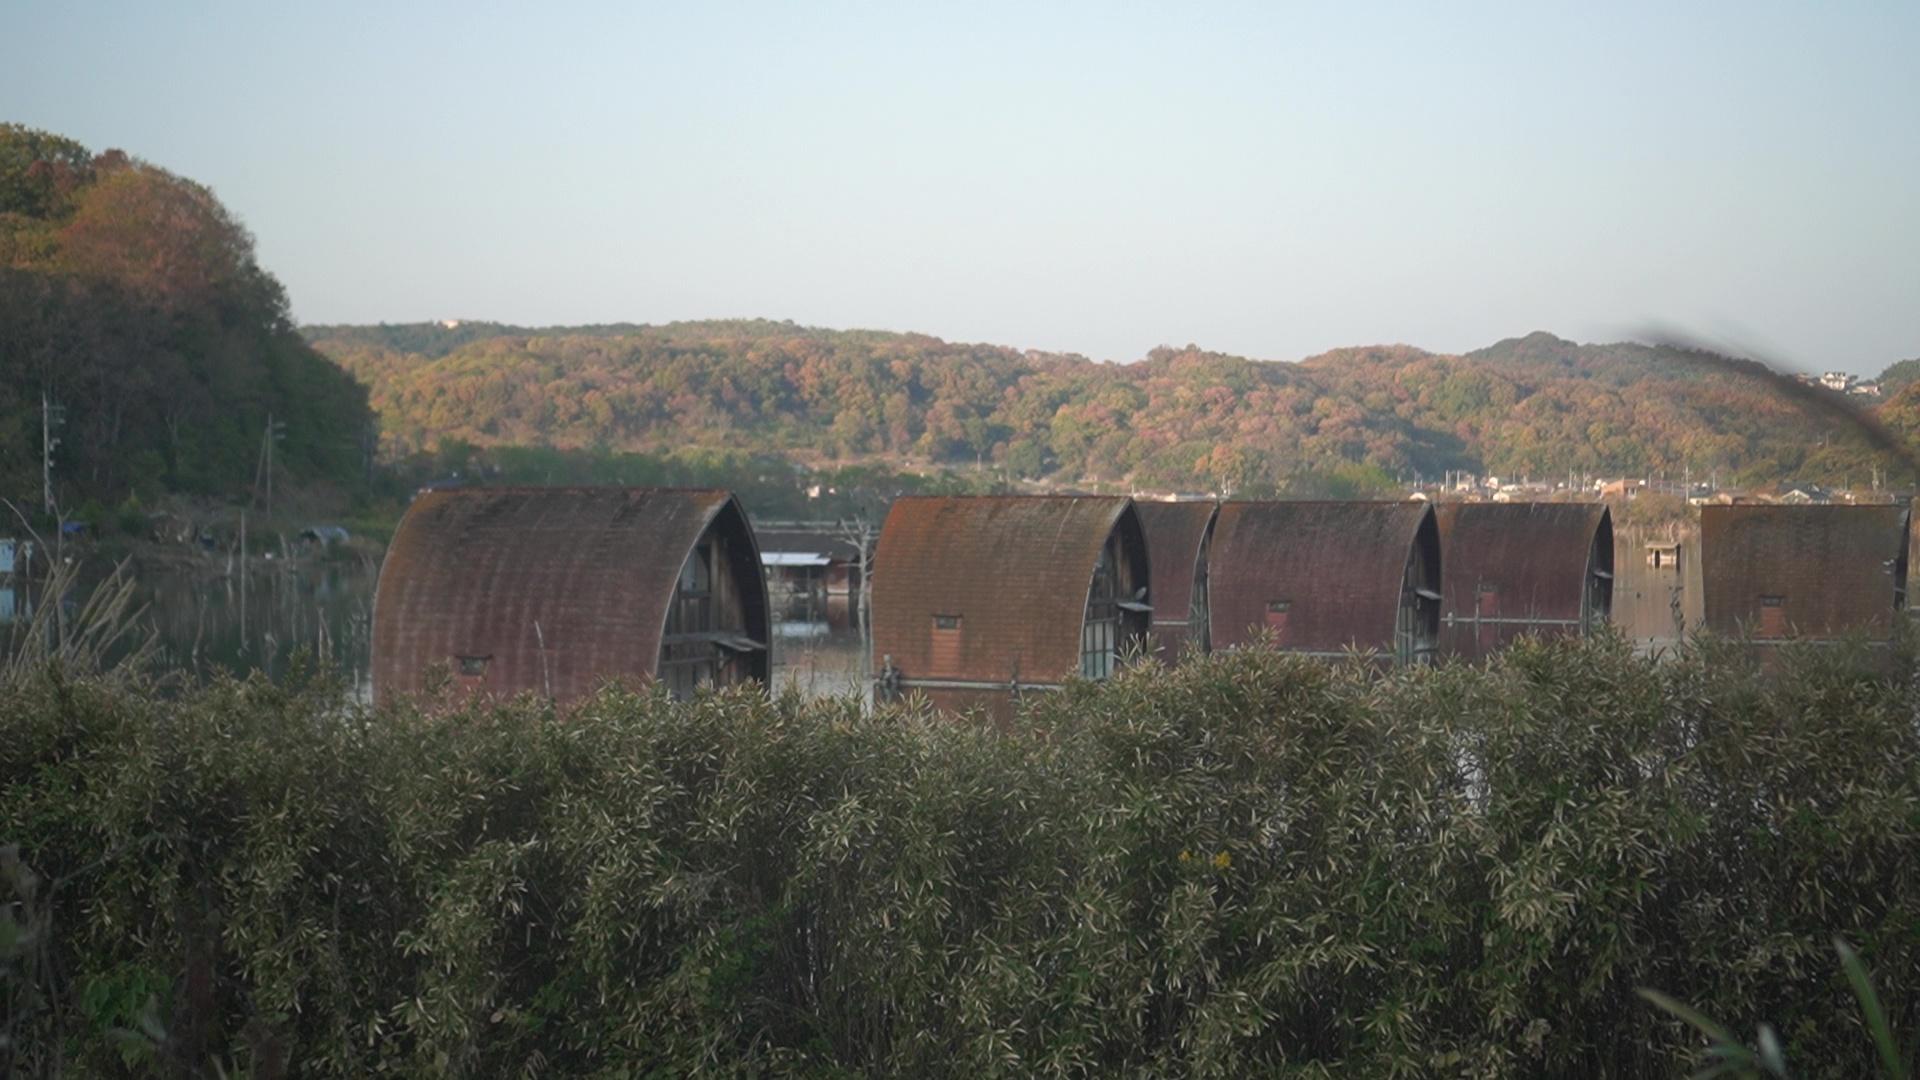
(1251,865)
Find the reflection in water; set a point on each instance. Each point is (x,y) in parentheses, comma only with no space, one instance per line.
(260,621)
(816,647)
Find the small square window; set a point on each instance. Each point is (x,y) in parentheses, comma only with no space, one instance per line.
(473,665)
(946,622)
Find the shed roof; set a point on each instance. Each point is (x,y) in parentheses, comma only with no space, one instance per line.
(1834,568)
(1533,555)
(1338,565)
(1176,533)
(1015,568)
(817,538)
(562,588)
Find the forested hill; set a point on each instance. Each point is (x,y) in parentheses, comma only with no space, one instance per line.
(1345,420)
(131,298)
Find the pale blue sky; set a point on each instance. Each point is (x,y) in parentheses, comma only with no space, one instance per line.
(1263,179)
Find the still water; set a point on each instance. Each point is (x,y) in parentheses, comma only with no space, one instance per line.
(206,619)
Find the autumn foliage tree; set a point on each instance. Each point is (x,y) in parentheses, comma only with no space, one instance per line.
(132,297)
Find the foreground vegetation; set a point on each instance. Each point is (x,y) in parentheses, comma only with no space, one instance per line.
(1251,865)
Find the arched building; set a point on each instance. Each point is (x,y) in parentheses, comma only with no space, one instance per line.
(1327,578)
(1522,568)
(557,590)
(1806,573)
(977,600)
(1178,536)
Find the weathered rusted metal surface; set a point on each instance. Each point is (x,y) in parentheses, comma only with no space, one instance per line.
(1522,568)
(1177,537)
(1339,569)
(973,596)
(1828,571)
(551,590)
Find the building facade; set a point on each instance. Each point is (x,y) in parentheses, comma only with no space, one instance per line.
(555,591)
(1774,574)
(980,600)
(1327,578)
(1522,568)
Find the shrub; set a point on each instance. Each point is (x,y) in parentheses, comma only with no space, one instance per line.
(1252,864)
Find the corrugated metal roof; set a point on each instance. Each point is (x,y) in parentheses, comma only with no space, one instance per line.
(558,589)
(1338,567)
(1014,570)
(1521,567)
(1176,539)
(1833,569)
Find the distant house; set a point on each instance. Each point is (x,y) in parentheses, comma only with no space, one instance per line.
(1326,578)
(1522,568)
(1836,380)
(555,591)
(812,558)
(1179,535)
(1807,495)
(979,600)
(1811,573)
(1621,489)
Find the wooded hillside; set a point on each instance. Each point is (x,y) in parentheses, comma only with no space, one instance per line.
(1343,422)
(132,298)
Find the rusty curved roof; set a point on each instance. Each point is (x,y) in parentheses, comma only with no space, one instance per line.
(1176,534)
(1016,569)
(1835,568)
(583,575)
(1339,567)
(1533,556)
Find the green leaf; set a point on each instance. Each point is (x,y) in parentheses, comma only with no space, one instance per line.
(1870,1005)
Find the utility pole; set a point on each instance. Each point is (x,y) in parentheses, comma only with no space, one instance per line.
(276,432)
(51,416)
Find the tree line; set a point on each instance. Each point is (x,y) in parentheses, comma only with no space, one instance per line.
(1348,422)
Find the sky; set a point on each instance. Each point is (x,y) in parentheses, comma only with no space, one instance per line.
(1268,179)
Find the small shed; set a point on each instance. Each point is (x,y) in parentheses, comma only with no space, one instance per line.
(1808,573)
(1327,578)
(978,600)
(558,590)
(810,565)
(1178,535)
(1522,568)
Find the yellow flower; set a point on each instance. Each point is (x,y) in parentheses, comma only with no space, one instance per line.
(1186,856)
(1222,861)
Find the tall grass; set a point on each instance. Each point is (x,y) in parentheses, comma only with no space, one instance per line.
(1250,865)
